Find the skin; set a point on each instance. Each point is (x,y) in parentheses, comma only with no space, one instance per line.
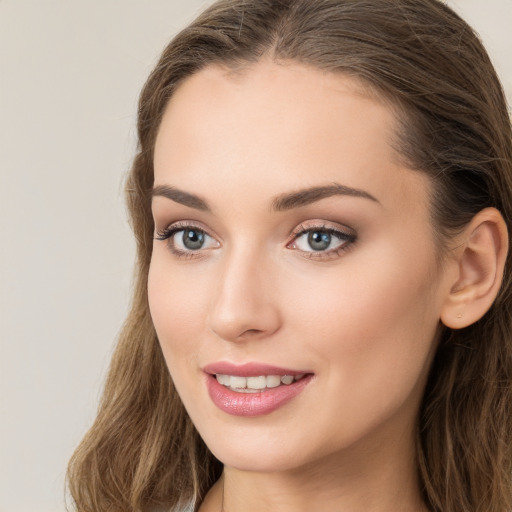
(364,320)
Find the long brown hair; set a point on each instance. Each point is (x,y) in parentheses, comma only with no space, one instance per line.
(142,451)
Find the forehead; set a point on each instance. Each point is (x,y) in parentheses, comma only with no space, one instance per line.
(278,126)
(270,91)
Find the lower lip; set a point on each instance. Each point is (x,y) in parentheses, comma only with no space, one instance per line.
(253,404)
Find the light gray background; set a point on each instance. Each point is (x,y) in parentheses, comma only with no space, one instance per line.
(70,73)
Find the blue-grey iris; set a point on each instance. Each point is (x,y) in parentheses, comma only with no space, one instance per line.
(193,239)
(319,240)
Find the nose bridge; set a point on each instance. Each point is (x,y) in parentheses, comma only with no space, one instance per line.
(245,303)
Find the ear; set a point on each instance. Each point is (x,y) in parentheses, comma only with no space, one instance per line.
(479,261)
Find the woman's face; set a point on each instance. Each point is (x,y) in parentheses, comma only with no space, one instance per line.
(292,245)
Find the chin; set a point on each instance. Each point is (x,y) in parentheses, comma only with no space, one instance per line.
(263,448)
(256,459)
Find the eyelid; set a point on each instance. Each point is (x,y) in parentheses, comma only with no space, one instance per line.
(167,234)
(334,227)
(339,231)
(185,224)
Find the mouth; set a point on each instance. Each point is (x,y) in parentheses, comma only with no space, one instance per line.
(256,384)
(253,389)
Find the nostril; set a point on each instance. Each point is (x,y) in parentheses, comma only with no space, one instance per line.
(249,332)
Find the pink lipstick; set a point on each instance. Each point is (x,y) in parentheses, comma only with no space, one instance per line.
(253,389)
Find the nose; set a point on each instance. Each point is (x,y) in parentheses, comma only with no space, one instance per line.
(246,302)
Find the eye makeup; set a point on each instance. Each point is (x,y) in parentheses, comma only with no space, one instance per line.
(321,241)
(313,240)
(192,242)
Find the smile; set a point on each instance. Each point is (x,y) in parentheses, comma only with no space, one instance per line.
(240,384)
(253,389)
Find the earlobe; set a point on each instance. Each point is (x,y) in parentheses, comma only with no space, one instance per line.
(480,262)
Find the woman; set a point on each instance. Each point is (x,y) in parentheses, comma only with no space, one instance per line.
(321,318)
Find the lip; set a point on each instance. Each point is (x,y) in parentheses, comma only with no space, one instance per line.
(249,369)
(252,404)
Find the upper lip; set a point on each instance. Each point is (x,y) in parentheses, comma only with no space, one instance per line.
(252,369)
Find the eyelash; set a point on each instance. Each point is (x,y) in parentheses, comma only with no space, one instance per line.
(348,240)
(168,234)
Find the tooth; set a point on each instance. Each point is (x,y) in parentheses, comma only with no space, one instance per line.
(298,377)
(238,382)
(246,390)
(223,379)
(273,381)
(257,382)
(287,379)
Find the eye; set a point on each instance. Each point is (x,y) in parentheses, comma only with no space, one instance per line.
(321,241)
(187,240)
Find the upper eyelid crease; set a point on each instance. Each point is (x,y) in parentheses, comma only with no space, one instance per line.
(183,226)
(322,226)
(283,202)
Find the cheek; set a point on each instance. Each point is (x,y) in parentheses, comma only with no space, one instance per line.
(176,303)
(372,327)
(176,311)
(365,296)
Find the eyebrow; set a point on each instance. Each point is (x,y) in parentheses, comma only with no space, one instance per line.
(283,202)
(310,195)
(181,197)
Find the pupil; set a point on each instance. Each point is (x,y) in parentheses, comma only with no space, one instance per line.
(193,239)
(319,240)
